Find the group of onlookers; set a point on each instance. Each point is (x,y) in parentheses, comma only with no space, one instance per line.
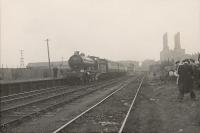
(188,75)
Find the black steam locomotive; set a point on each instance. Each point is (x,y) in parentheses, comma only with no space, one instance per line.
(91,68)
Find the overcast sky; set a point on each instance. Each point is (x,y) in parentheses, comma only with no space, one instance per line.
(112,29)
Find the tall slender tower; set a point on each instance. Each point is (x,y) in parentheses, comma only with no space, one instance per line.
(177,41)
(21,59)
(165,54)
(178,52)
(165,42)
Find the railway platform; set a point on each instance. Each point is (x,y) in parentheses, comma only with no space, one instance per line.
(10,87)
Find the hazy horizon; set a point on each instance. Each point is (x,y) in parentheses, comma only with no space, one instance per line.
(112,29)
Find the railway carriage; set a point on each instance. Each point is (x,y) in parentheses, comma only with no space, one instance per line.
(102,65)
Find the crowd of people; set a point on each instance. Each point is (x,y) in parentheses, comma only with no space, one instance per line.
(188,77)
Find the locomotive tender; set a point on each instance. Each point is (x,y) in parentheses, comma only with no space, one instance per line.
(89,68)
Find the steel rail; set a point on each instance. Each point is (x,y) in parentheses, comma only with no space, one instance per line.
(125,119)
(50,97)
(51,107)
(20,95)
(23,93)
(44,91)
(41,92)
(72,120)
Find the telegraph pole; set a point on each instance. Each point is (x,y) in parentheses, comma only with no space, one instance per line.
(62,61)
(47,40)
(21,59)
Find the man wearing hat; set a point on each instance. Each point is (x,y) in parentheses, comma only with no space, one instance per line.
(185,81)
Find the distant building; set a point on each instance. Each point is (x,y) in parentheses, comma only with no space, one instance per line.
(130,63)
(58,64)
(176,54)
(145,66)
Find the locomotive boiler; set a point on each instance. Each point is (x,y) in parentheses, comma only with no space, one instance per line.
(81,62)
(90,68)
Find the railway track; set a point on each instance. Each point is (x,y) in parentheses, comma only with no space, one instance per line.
(14,97)
(12,101)
(130,108)
(94,118)
(12,115)
(28,94)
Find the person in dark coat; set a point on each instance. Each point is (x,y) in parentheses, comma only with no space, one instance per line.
(55,72)
(185,81)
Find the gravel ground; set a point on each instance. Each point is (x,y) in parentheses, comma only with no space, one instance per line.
(158,110)
(108,116)
(50,121)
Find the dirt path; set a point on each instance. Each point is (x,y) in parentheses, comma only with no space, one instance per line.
(158,110)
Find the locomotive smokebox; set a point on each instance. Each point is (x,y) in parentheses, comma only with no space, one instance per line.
(78,62)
